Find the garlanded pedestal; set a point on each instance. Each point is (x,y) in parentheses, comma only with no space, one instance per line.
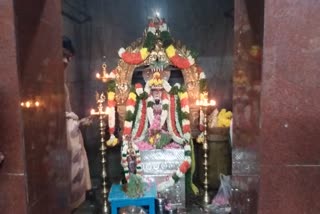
(157,165)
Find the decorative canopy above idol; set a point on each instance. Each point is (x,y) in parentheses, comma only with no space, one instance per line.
(157,49)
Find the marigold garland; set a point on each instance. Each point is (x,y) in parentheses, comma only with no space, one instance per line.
(177,60)
(134,58)
(111,103)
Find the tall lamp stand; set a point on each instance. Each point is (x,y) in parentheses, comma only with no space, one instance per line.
(101,113)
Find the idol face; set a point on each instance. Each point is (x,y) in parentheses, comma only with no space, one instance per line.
(156,93)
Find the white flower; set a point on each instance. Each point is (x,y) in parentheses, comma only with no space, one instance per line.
(177,85)
(147,88)
(187,136)
(179,173)
(130,108)
(185,109)
(163,27)
(139,112)
(188,159)
(187,148)
(185,122)
(139,91)
(166,86)
(191,60)
(111,118)
(128,124)
(121,51)
(202,75)
(152,30)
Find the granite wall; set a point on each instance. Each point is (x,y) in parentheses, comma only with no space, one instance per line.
(13,193)
(289,118)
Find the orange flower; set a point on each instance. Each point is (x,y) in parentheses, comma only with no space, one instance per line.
(184,167)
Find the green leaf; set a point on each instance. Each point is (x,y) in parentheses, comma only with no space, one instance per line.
(150,104)
(111,86)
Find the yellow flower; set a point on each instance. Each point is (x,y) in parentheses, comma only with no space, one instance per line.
(133,96)
(224,118)
(183,95)
(144,53)
(112,142)
(171,51)
(156,75)
(200,138)
(151,140)
(111,95)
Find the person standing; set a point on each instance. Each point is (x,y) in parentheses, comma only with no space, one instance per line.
(80,175)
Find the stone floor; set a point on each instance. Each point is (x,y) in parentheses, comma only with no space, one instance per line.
(89,208)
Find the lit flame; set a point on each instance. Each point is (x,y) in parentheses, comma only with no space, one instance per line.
(92,112)
(28,104)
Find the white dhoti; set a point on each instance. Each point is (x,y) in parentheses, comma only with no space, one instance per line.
(80,175)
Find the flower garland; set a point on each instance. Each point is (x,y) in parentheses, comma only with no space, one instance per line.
(134,58)
(177,60)
(179,106)
(180,172)
(165,108)
(112,114)
(135,106)
(150,103)
(171,121)
(184,103)
(130,109)
(138,57)
(140,129)
(124,159)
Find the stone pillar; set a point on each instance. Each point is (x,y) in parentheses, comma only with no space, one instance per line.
(13,196)
(290,130)
(35,174)
(246,109)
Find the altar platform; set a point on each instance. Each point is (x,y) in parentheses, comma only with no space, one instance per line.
(119,199)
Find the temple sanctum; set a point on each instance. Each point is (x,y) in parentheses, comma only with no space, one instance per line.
(159,107)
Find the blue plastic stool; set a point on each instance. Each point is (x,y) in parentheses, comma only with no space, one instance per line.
(119,199)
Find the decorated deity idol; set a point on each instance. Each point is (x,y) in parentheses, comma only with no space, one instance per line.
(155,114)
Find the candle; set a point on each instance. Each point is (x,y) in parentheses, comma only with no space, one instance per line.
(97,75)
